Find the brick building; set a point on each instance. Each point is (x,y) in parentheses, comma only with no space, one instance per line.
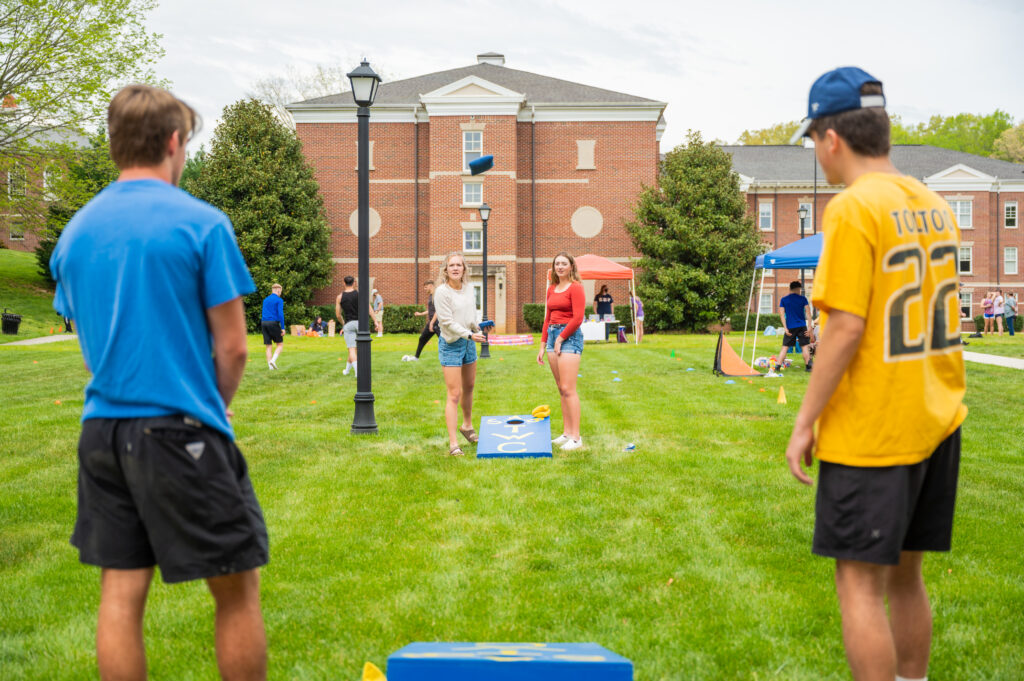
(986,195)
(570,161)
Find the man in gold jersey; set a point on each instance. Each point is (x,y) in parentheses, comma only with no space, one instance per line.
(888,383)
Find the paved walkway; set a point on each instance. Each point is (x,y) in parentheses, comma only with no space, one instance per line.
(44,339)
(981,358)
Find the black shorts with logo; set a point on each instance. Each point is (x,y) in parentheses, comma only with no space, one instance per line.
(872,514)
(794,335)
(166,491)
(271,332)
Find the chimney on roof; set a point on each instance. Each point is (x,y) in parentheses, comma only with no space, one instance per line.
(491,58)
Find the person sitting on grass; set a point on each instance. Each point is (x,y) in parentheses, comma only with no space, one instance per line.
(317,326)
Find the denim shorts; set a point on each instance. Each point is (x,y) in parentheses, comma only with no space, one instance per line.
(457,354)
(573,343)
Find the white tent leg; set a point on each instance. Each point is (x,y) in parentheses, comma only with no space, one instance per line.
(753,277)
(757,320)
(632,308)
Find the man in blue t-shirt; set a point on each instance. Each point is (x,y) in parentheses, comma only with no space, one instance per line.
(795,310)
(154,280)
(272,324)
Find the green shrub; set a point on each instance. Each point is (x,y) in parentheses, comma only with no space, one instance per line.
(400,319)
(736,320)
(533,315)
(1018,323)
(624,315)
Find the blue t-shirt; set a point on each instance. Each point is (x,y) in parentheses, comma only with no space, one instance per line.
(273,309)
(137,268)
(794,305)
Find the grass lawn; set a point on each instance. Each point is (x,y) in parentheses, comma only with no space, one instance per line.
(1005,345)
(690,555)
(24,291)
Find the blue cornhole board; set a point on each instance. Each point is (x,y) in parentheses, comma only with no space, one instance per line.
(514,437)
(507,662)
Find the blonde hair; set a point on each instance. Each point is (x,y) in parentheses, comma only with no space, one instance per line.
(574,274)
(447,260)
(141,120)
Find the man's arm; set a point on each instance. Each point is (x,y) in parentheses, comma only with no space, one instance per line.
(839,344)
(227,326)
(337,309)
(433,322)
(782,315)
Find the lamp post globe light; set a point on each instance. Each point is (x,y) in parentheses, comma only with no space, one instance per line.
(485,214)
(364,90)
(803,216)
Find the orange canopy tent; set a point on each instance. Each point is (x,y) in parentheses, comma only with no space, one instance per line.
(595,267)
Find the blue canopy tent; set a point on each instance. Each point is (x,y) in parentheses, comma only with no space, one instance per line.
(799,255)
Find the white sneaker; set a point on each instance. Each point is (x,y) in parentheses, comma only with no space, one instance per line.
(380,335)
(413,358)
(572,444)
(560,440)
(345,372)
(271,366)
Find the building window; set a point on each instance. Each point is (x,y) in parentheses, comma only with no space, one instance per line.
(472,193)
(1010,260)
(766,304)
(807,223)
(50,177)
(472,146)
(965,303)
(17,182)
(1010,215)
(963,212)
(472,240)
(17,230)
(764,216)
(965,260)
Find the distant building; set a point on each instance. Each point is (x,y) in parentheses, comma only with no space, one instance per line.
(570,162)
(985,195)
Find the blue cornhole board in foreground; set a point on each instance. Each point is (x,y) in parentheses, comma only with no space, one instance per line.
(507,662)
(514,437)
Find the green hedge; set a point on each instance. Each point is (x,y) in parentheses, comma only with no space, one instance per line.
(533,314)
(397,318)
(767,320)
(1018,323)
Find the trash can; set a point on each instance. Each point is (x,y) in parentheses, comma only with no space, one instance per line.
(11,322)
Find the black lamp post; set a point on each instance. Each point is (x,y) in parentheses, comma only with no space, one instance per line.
(364,90)
(485,213)
(803,216)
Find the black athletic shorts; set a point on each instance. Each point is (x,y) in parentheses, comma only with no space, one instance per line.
(166,491)
(872,514)
(794,335)
(271,332)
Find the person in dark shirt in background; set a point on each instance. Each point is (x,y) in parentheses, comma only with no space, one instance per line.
(430,329)
(272,323)
(795,310)
(603,302)
(346,309)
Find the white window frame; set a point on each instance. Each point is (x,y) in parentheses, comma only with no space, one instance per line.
(469,200)
(16,234)
(957,206)
(1006,215)
(809,227)
(761,205)
(1006,260)
(466,248)
(472,143)
(770,308)
(970,260)
(15,171)
(966,302)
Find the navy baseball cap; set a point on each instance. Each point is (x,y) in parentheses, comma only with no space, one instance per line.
(835,92)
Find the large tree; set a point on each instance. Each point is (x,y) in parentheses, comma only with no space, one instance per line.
(972,133)
(255,172)
(1010,145)
(697,241)
(87,172)
(776,134)
(62,60)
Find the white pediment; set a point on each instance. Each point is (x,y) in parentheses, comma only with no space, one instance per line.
(472,86)
(960,172)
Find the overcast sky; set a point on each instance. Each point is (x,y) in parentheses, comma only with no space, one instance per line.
(722,66)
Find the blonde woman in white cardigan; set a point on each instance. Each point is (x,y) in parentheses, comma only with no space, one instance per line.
(456,318)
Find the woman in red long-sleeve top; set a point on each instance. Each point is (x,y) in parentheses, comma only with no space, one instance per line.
(562,340)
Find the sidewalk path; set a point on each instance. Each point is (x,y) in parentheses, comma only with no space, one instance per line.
(44,339)
(996,360)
